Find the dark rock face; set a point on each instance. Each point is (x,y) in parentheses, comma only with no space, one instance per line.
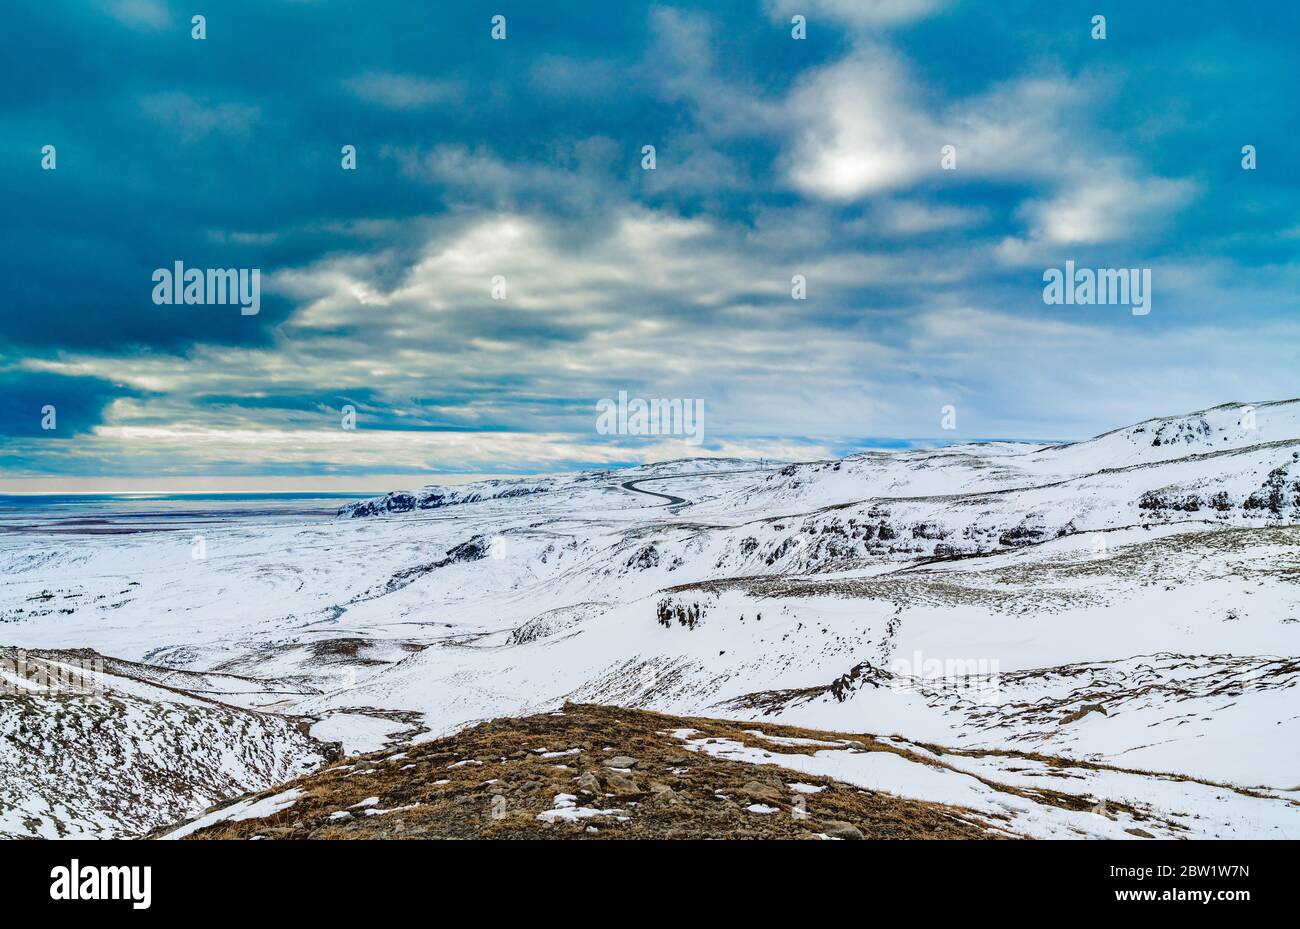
(1021,535)
(645,557)
(398,502)
(1275,496)
(864,674)
(433,498)
(476,549)
(1183,432)
(688,616)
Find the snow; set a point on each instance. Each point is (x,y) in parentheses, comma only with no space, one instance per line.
(239,811)
(1215,812)
(567,810)
(788,741)
(358,732)
(1163,641)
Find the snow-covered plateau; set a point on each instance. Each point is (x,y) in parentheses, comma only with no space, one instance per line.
(1117,620)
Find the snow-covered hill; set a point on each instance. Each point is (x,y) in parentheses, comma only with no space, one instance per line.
(1128,603)
(436,497)
(90,750)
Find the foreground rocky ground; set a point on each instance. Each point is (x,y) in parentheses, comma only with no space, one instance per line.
(587,772)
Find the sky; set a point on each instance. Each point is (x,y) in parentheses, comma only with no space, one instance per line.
(520,160)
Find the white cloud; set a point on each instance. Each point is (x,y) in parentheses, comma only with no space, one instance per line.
(681,67)
(577,177)
(971,330)
(148,14)
(661,305)
(194,119)
(645,303)
(858,134)
(916,217)
(1102,207)
(169,454)
(864,128)
(855,13)
(402,91)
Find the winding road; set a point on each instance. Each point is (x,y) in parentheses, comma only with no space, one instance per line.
(669,499)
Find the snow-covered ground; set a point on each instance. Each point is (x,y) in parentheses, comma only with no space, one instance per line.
(1129,602)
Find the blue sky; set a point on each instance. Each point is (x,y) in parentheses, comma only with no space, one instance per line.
(523,158)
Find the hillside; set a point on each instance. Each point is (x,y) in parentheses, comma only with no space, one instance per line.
(108,753)
(1126,608)
(602,772)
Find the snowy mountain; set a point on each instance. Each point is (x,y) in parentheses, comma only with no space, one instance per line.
(436,497)
(120,749)
(1115,622)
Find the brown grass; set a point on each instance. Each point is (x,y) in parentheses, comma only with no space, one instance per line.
(670,793)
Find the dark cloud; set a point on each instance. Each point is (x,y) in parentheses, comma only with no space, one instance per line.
(225,153)
(78,404)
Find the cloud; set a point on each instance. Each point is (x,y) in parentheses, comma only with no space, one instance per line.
(194,119)
(859,135)
(866,129)
(147,14)
(578,177)
(1073,372)
(402,91)
(571,77)
(446,378)
(965,329)
(855,13)
(775,158)
(366,449)
(1104,206)
(917,217)
(78,404)
(681,67)
(639,304)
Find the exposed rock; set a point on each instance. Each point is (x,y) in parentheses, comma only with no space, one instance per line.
(838,829)
(622,785)
(763,793)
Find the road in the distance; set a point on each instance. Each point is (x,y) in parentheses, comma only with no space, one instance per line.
(671,500)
